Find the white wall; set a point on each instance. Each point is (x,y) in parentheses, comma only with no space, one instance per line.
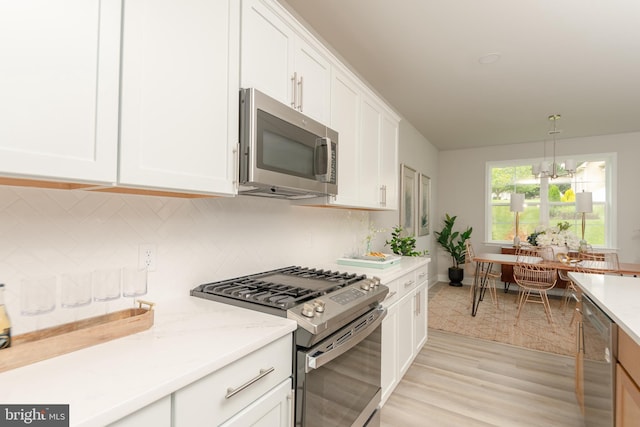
(461,185)
(418,153)
(51,232)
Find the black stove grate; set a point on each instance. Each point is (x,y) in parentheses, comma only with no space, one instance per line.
(282,288)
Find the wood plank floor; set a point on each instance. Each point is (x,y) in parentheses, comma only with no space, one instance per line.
(461,381)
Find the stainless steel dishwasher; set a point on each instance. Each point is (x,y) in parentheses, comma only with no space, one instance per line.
(599,346)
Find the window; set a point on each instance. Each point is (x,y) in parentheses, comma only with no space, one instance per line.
(550,201)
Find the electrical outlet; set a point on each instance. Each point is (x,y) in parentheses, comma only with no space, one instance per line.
(147,257)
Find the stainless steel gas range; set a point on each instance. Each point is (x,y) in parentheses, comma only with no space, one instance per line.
(338,339)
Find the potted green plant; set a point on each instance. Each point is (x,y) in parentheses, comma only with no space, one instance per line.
(403,245)
(454,242)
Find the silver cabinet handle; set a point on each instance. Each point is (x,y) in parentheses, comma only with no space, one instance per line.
(418,304)
(421,275)
(300,87)
(236,168)
(294,81)
(233,391)
(409,283)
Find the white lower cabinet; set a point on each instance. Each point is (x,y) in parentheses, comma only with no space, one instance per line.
(274,409)
(389,352)
(404,329)
(156,414)
(421,299)
(221,395)
(255,390)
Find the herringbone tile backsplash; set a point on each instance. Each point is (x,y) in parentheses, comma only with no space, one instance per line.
(55,232)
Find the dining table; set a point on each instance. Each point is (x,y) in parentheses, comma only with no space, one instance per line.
(486,261)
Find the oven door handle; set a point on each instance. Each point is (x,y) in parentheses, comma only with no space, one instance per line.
(315,362)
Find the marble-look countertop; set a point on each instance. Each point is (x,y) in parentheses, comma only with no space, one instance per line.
(618,296)
(190,338)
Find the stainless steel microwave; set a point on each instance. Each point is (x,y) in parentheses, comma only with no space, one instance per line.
(284,153)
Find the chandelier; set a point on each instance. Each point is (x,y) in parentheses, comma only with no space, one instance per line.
(552,170)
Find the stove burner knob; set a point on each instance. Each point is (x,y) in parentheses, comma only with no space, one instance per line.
(376,281)
(319,304)
(366,285)
(308,310)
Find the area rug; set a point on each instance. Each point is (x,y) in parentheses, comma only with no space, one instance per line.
(450,310)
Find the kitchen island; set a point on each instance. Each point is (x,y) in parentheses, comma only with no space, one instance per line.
(190,339)
(617,296)
(608,388)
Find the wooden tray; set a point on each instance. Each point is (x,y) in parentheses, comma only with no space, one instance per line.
(40,345)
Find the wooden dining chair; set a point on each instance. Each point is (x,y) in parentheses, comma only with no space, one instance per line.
(491,276)
(534,280)
(598,262)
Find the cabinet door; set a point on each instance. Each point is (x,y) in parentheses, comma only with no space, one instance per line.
(208,401)
(420,318)
(274,409)
(157,414)
(180,95)
(389,162)
(406,332)
(267,46)
(313,73)
(345,110)
(369,153)
(627,399)
(389,376)
(59,88)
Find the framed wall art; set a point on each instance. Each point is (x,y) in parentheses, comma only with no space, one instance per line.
(408,189)
(424,196)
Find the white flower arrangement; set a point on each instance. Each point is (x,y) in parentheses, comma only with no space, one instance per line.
(554,236)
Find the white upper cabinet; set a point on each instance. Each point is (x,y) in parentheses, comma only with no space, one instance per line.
(389,170)
(266,52)
(313,74)
(277,60)
(370,122)
(59,85)
(367,148)
(345,113)
(180,95)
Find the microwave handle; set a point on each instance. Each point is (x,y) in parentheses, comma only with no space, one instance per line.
(326,176)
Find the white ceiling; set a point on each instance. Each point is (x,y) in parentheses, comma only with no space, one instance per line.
(578,58)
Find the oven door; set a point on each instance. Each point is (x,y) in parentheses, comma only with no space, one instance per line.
(338,380)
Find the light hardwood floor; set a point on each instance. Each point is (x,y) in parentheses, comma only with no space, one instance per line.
(461,381)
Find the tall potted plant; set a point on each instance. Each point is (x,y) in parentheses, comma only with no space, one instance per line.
(454,242)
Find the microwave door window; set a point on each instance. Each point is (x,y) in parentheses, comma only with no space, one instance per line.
(283,147)
(281,154)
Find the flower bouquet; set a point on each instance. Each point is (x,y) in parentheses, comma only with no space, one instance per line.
(554,236)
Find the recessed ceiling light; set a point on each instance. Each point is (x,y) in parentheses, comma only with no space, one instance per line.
(489,58)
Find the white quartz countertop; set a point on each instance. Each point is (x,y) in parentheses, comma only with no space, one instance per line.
(190,338)
(618,296)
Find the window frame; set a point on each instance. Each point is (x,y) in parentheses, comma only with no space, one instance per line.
(610,204)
